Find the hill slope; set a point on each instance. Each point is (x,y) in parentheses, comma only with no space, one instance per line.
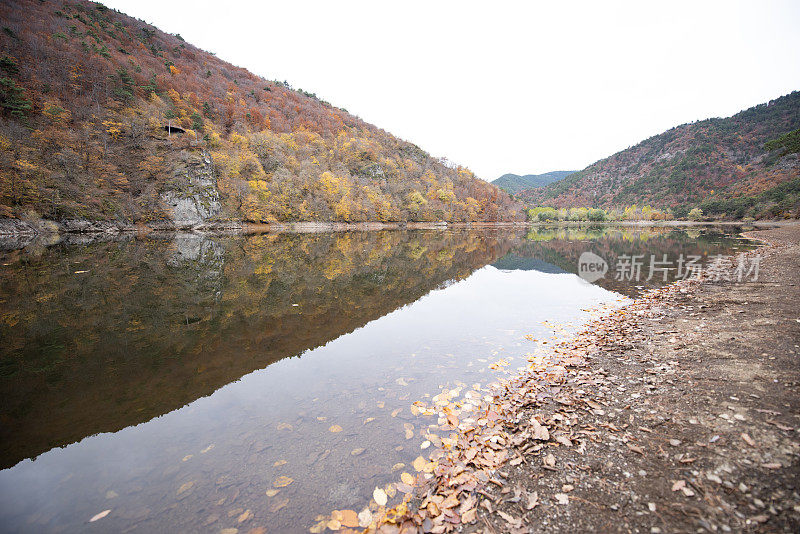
(515,182)
(105,117)
(715,162)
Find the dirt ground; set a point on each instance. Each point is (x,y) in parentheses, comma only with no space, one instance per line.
(685,417)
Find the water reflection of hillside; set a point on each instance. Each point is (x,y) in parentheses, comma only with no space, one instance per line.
(556,250)
(155,324)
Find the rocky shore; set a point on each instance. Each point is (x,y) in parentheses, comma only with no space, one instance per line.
(677,413)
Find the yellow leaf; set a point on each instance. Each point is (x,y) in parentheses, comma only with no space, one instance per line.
(283,481)
(279,463)
(397,467)
(335,428)
(272,492)
(419,464)
(407,479)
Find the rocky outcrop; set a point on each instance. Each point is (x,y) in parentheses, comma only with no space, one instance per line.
(192,199)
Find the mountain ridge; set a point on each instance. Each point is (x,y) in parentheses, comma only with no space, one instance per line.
(724,165)
(513,183)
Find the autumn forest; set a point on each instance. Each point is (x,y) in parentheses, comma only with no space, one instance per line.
(100,113)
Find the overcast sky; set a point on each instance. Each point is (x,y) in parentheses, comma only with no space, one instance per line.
(522,87)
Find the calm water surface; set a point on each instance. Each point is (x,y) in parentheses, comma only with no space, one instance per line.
(172,380)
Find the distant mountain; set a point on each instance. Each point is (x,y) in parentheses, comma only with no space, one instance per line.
(514,182)
(747,164)
(105,117)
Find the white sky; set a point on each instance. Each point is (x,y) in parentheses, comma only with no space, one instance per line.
(523,87)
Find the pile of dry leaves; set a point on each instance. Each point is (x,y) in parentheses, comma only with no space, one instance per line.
(486,430)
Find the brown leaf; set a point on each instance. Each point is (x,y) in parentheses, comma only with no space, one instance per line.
(533,500)
(564,440)
(349,518)
(635,448)
(469,516)
(511,520)
(540,432)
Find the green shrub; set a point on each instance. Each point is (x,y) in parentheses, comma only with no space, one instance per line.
(596,215)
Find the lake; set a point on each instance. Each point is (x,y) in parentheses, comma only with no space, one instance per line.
(196,383)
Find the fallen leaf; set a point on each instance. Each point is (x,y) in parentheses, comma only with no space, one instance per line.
(747,439)
(335,428)
(369,420)
(272,492)
(772,465)
(285,426)
(469,516)
(247,514)
(356,452)
(514,522)
(564,440)
(283,481)
(349,518)
(549,460)
(678,485)
(533,501)
(185,487)
(539,432)
(401,382)
(101,515)
(407,478)
(364,518)
(279,463)
(380,496)
(278,504)
(397,411)
(398,466)
(562,498)
(635,448)
(419,463)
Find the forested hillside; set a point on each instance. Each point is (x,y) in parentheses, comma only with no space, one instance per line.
(744,165)
(105,117)
(515,182)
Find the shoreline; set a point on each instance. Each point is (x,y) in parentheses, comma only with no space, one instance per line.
(15,228)
(678,412)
